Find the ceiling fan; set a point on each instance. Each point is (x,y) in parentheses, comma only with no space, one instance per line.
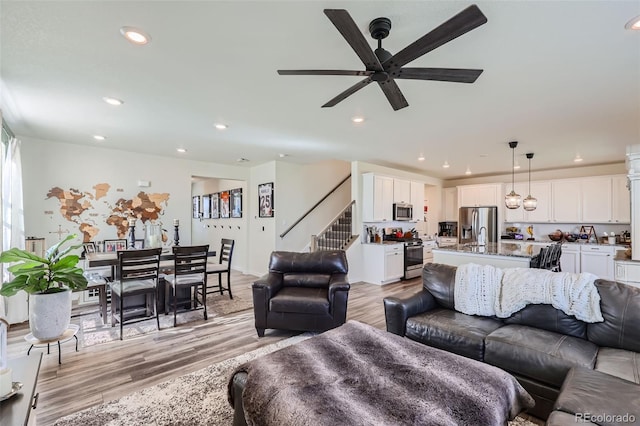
(383,67)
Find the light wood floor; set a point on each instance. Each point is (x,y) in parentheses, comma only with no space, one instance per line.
(108,371)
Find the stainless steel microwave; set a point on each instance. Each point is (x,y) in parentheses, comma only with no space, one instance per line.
(402,211)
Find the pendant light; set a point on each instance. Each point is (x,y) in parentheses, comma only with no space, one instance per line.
(530,203)
(512,200)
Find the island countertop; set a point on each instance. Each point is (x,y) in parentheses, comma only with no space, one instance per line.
(495,249)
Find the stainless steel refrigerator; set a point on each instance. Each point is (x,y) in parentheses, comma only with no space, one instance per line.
(471,220)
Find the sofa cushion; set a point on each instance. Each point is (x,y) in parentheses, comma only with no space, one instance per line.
(322,261)
(599,398)
(300,300)
(306,279)
(619,363)
(452,331)
(539,354)
(560,418)
(620,306)
(439,280)
(549,318)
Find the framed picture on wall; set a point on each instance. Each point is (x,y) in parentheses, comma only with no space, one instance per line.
(224,205)
(236,202)
(215,205)
(265,199)
(196,207)
(206,206)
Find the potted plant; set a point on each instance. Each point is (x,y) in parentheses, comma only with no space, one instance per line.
(49,282)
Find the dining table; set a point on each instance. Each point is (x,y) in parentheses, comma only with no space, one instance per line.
(110,259)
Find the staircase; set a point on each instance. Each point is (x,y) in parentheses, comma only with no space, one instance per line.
(338,235)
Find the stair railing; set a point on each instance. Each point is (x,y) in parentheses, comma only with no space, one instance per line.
(293,225)
(344,236)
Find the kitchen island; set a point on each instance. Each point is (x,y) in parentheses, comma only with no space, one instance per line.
(501,255)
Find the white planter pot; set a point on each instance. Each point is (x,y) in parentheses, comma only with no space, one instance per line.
(49,314)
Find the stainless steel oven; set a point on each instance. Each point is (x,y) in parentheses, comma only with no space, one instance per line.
(413,258)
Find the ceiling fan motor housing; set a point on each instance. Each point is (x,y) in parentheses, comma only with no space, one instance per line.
(379,28)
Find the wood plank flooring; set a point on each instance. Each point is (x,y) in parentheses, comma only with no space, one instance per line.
(108,371)
(104,372)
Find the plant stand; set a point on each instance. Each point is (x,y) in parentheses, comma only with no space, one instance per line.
(71,332)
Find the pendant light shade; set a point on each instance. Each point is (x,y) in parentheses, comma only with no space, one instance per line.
(512,200)
(530,203)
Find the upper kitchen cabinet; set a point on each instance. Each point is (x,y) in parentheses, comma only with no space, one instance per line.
(377,198)
(596,199)
(515,215)
(480,195)
(621,205)
(402,191)
(450,203)
(417,200)
(541,191)
(565,201)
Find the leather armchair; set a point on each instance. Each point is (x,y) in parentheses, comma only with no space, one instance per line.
(302,291)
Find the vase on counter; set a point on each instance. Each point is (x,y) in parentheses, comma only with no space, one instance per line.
(153,235)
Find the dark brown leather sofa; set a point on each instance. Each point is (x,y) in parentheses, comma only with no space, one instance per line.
(302,291)
(539,345)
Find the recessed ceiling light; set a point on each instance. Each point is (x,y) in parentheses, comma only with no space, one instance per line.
(633,24)
(99,137)
(446,165)
(421,158)
(135,35)
(112,101)
(282,155)
(181,150)
(220,126)
(516,166)
(357,119)
(577,159)
(242,160)
(468,172)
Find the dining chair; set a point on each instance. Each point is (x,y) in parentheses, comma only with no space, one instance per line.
(137,275)
(548,258)
(222,266)
(190,267)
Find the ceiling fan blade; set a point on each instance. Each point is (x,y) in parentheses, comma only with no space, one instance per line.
(325,72)
(455,75)
(393,94)
(350,91)
(349,30)
(460,24)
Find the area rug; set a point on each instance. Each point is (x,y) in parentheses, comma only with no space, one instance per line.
(94,332)
(198,398)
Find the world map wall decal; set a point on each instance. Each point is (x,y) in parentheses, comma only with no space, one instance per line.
(91,210)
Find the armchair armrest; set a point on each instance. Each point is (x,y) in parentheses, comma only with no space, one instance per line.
(269,284)
(397,311)
(338,282)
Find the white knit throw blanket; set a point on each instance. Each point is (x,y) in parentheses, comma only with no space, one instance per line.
(487,290)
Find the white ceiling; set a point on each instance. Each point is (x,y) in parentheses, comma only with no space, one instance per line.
(561,77)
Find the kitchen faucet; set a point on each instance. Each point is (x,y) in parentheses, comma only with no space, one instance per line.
(482,237)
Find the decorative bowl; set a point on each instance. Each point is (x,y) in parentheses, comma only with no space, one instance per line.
(571,237)
(557,235)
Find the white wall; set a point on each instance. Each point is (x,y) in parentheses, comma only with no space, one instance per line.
(211,231)
(49,164)
(262,231)
(298,188)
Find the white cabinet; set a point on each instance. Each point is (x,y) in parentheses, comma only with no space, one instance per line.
(383,263)
(479,195)
(393,262)
(450,203)
(417,200)
(570,258)
(541,190)
(565,201)
(621,203)
(596,199)
(515,215)
(628,272)
(402,191)
(377,198)
(597,259)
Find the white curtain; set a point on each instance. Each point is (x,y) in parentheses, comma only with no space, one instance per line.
(15,307)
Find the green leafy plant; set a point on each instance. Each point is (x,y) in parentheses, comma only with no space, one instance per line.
(56,272)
